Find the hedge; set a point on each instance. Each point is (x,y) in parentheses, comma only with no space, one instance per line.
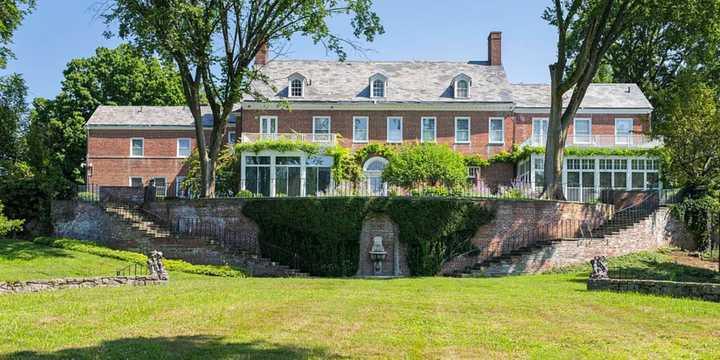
(171,265)
(323,234)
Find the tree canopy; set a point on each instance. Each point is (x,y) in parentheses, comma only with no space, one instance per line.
(120,76)
(13,108)
(214,43)
(12,13)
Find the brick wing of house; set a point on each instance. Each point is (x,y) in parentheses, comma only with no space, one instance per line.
(469,106)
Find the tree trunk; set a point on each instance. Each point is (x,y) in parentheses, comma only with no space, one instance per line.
(556,137)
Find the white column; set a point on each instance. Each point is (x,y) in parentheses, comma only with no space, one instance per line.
(272,175)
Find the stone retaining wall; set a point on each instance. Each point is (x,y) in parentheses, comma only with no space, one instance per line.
(704,291)
(56,284)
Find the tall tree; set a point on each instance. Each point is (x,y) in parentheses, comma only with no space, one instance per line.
(13,109)
(586,30)
(669,37)
(121,76)
(12,12)
(214,42)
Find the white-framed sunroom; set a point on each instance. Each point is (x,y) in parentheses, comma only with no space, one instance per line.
(294,173)
(584,177)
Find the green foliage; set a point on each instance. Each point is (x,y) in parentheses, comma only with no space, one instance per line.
(8,225)
(324,233)
(171,265)
(698,214)
(13,12)
(426,164)
(692,149)
(122,76)
(245,194)
(434,229)
(227,172)
(526,151)
(280,145)
(12,112)
(26,196)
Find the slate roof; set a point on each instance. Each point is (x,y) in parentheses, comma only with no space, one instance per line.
(408,81)
(149,116)
(617,96)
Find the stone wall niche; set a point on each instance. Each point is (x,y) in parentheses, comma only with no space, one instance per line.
(395,263)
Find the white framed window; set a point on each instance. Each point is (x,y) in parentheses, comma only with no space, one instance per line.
(321,128)
(269,125)
(539,131)
(137,147)
(296,87)
(231,137)
(136,181)
(497,130)
(462,89)
(394,129)
(623,131)
(160,186)
(360,129)
(179,191)
(184,147)
(462,130)
(378,85)
(428,125)
(378,88)
(582,131)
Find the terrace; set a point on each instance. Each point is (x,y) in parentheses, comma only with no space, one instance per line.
(601,141)
(328,139)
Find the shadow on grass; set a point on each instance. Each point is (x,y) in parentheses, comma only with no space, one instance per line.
(25,250)
(182,347)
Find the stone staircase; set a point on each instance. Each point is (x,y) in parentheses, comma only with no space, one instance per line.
(194,250)
(629,231)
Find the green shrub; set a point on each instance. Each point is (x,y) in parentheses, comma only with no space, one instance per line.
(8,225)
(324,233)
(426,164)
(245,194)
(171,265)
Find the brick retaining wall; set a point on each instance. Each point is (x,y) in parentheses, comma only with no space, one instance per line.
(704,291)
(57,284)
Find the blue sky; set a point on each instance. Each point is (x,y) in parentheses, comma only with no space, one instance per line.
(60,30)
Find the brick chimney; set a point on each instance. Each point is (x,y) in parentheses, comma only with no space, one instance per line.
(261,57)
(495,48)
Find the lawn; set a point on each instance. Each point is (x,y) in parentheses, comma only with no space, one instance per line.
(194,316)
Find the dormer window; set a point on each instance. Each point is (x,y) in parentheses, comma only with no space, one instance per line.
(378,85)
(296,85)
(461,85)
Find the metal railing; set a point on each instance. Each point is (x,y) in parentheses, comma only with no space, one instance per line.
(133,269)
(215,232)
(319,138)
(631,140)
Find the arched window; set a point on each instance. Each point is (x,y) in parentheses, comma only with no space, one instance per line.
(296,88)
(373,170)
(378,88)
(462,89)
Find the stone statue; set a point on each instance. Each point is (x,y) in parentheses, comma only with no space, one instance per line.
(599,268)
(155,265)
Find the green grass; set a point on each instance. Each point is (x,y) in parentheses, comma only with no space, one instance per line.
(22,260)
(540,317)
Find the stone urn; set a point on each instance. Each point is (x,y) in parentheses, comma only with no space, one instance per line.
(378,254)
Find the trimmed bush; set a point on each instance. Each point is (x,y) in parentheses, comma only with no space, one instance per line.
(426,164)
(171,265)
(321,235)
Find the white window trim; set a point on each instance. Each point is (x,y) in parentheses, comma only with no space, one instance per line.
(131,147)
(177,148)
(302,86)
(535,121)
(632,125)
(367,130)
(130,179)
(323,117)
(422,131)
(178,180)
(267,117)
(502,121)
(228,137)
(456,88)
(164,180)
(575,141)
(469,120)
(387,130)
